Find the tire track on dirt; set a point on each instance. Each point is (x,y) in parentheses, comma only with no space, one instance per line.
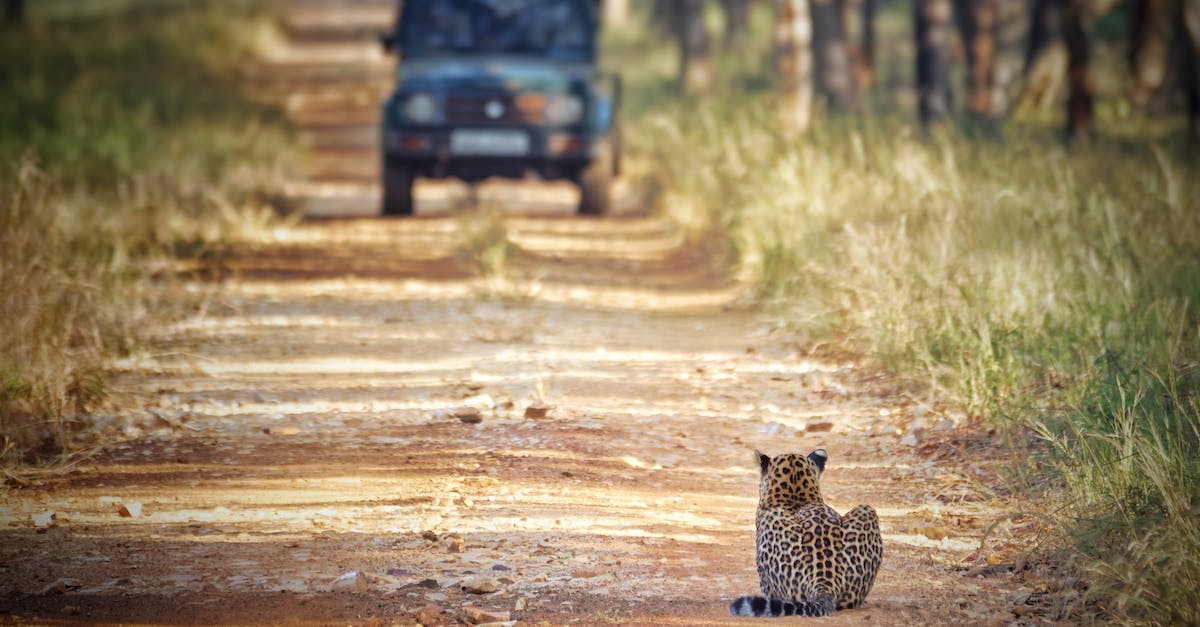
(351,428)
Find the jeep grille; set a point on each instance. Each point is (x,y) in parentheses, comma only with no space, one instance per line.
(483,108)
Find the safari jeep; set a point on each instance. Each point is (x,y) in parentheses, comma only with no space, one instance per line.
(499,88)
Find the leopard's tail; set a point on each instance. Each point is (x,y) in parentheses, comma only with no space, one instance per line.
(762,606)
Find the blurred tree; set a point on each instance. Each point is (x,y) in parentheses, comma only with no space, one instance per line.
(1059,46)
(616,13)
(835,73)
(1012,31)
(1045,55)
(858,17)
(933,67)
(695,54)
(737,21)
(1079,79)
(14,11)
(1148,56)
(793,62)
(663,16)
(1190,25)
(977,22)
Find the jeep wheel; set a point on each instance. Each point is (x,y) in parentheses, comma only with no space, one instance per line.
(595,184)
(397,188)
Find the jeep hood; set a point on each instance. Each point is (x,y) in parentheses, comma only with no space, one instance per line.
(491,72)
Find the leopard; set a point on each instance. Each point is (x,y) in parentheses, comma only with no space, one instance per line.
(811,560)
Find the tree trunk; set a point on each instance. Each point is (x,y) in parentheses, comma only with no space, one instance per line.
(1096,9)
(933,67)
(1151,37)
(1079,80)
(868,36)
(793,62)
(1045,28)
(664,17)
(1012,31)
(1190,25)
(737,21)
(14,11)
(1045,56)
(835,73)
(978,25)
(695,54)
(858,18)
(616,13)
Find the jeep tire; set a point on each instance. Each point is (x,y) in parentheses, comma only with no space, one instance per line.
(595,183)
(397,188)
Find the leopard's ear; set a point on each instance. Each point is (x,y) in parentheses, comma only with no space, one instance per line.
(819,457)
(763,462)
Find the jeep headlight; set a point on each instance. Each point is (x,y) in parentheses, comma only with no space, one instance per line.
(420,108)
(564,109)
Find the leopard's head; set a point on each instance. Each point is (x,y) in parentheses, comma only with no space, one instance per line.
(791,479)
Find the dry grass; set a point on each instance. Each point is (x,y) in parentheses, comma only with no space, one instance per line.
(1050,291)
(123,140)
(55,275)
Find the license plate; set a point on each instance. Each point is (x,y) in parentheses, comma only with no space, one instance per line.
(489,143)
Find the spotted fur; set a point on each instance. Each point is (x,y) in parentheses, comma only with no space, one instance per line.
(811,560)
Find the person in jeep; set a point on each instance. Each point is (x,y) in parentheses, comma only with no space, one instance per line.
(504,88)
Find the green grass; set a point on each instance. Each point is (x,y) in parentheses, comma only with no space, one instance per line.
(123,139)
(1051,292)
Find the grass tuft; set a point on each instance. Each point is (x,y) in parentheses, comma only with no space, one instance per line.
(487,244)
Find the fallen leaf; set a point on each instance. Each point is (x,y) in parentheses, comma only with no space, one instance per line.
(44,520)
(469,415)
(1020,597)
(480,585)
(352,580)
(429,616)
(537,410)
(933,532)
(430,584)
(62,585)
(479,401)
(477,616)
(995,558)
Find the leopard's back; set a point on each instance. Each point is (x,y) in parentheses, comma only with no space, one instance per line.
(810,559)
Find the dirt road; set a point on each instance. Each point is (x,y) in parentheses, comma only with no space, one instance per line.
(359,426)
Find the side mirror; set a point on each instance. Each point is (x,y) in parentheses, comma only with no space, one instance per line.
(390,42)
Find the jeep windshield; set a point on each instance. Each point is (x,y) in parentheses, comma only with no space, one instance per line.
(561,30)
